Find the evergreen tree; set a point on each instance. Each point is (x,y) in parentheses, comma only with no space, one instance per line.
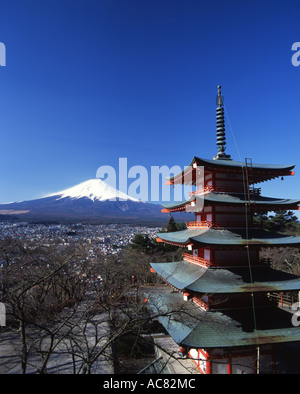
(281,221)
(171,227)
(142,243)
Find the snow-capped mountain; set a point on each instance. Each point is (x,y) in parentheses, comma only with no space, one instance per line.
(91,201)
(95,190)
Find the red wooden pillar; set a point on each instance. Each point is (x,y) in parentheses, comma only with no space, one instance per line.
(208,367)
(229,365)
(208,364)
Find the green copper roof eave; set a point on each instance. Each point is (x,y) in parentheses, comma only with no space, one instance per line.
(236,199)
(228,237)
(189,277)
(194,328)
(180,237)
(241,164)
(232,164)
(179,204)
(179,273)
(218,331)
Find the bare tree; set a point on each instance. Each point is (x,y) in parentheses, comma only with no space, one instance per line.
(69,308)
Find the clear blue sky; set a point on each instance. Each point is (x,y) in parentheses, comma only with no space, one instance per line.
(89,81)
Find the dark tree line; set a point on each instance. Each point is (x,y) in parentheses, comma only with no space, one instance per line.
(281,221)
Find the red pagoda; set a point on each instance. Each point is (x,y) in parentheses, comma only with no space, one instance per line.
(228,323)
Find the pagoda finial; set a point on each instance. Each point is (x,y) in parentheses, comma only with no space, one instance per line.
(221,140)
(220,99)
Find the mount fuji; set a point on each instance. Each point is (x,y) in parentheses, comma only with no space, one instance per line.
(95,190)
(92,201)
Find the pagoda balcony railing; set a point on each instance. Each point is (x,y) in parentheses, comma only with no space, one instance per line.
(205,189)
(255,190)
(200,303)
(208,224)
(203,224)
(196,260)
(225,190)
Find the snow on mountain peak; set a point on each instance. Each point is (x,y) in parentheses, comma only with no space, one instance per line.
(94,189)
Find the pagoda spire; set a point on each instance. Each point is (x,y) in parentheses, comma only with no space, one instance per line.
(221,139)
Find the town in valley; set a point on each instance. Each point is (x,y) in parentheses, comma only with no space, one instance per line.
(106,239)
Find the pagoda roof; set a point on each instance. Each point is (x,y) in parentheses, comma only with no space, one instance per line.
(258,172)
(235,199)
(228,237)
(190,277)
(194,328)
